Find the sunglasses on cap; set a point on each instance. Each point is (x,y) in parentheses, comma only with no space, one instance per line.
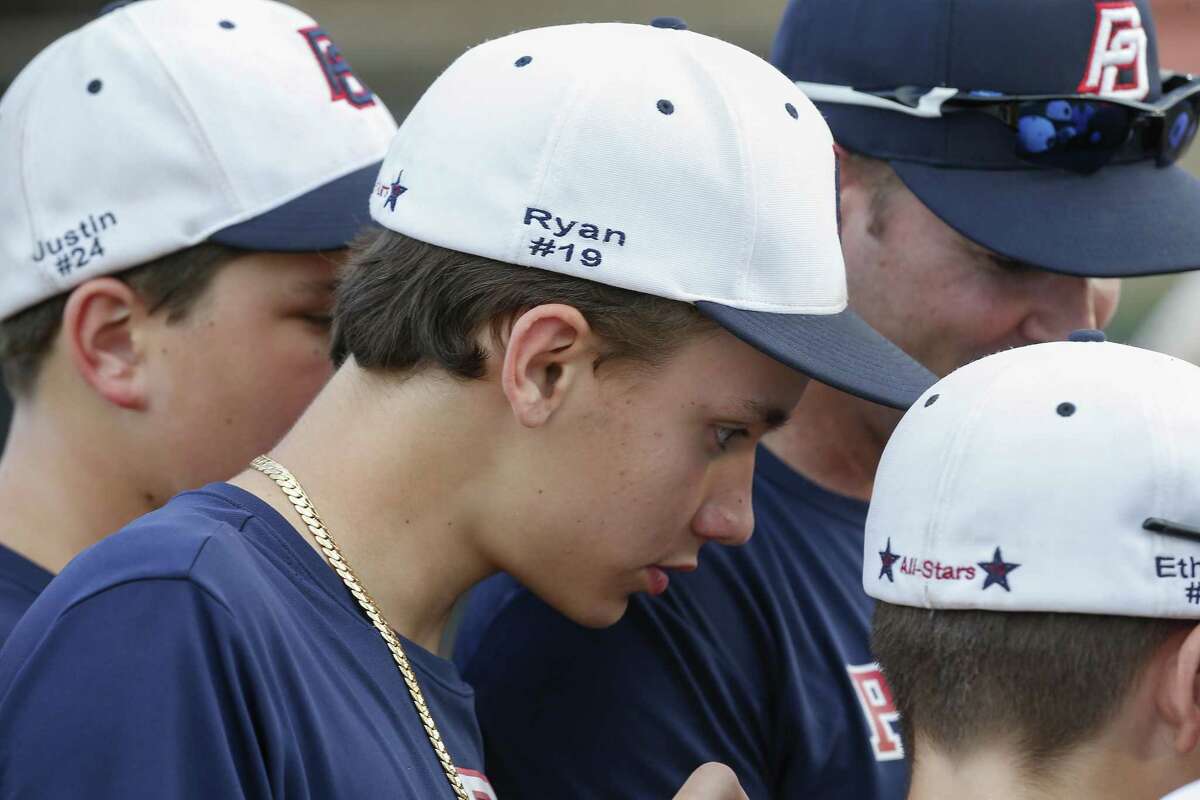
(1075,132)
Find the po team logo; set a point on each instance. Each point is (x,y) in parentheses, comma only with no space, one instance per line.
(477,784)
(343,84)
(1117,65)
(875,697)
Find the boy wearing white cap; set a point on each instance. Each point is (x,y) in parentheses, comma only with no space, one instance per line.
(611,257)
(181,177)
(1034,538)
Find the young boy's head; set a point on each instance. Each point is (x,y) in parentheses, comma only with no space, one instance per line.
(183,177)
(1034,540)
(622,240)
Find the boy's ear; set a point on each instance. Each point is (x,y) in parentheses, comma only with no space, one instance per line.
(97,331)
(854,190)
(843,156)
(1179,692)
(548,350)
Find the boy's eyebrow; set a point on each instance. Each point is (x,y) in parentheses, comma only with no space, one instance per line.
(770,416)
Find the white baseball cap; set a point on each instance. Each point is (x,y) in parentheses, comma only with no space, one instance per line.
(1057,477)
(165,123)
(652,159)
(1189,792)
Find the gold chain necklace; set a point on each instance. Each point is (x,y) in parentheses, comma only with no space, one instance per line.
(304,507)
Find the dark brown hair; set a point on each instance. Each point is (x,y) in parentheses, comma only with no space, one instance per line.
(403,304)
(170,284)
(1041,683)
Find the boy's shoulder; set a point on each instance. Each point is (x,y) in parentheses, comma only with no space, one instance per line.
(196,537)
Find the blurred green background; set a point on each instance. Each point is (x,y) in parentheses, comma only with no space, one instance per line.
(398,48)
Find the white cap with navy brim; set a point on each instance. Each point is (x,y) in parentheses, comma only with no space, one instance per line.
(1056,477)
(165,123)
(652,159)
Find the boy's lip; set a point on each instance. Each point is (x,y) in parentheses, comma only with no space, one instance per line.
(657,581)
(657,576)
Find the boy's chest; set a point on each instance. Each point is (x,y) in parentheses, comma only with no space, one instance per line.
(340,722)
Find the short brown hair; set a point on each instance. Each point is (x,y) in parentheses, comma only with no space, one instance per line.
(403,304)
(170,284)
(1042,683)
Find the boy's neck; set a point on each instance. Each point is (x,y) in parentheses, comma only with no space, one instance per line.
(995,773)
(396,471)
(836,440)
(64,486)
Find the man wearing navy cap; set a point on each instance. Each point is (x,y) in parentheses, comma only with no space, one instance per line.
(1002,163)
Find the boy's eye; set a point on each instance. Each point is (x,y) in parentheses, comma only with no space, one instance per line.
(726,435)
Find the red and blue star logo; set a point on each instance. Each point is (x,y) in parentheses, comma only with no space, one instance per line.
(887,558)
(997,571)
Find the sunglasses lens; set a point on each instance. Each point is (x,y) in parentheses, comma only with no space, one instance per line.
(1179,130)
(1077,135)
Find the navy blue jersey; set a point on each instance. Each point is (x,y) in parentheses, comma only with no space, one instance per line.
(21,581)
(206,650)
(760,660)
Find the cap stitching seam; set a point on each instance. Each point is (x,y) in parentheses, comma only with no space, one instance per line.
(184,105)
(950,469)
(750,211)
(553,141)
(46,275)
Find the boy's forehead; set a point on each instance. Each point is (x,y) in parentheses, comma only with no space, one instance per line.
(291,274)
(720,376)
(733,375)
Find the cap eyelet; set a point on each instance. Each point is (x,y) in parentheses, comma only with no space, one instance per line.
(932,399)
(94,86)
(794,114)
(523,61)
(666,107)
(669,23)
(1065,409)
(227,25)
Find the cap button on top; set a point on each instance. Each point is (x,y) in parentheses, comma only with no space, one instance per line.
(1086,335)
(674,23)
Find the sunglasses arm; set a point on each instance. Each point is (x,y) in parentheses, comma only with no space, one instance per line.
(929,105)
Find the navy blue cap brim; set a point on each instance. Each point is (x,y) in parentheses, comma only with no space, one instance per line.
(840,350)
(326,218)
(1122,221)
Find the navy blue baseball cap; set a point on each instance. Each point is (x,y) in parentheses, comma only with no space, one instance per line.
(1130,217)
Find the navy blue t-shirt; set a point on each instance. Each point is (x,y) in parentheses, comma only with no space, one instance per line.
(21,581)
(206,650)
(760,659)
